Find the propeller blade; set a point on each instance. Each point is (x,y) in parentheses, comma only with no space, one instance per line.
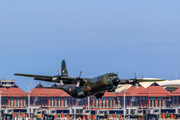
(61,82)
(55,78)
(78,83)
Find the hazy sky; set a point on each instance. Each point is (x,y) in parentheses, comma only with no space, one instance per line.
(97,37)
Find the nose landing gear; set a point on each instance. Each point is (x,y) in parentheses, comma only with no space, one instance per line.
(99,95)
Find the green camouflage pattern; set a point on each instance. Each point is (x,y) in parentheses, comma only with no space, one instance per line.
(94,86)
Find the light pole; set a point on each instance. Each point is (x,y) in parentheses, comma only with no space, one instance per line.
(0,104)
(29,104)
(124,106)
(88,107)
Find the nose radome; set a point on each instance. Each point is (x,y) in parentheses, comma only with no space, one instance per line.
(115,81)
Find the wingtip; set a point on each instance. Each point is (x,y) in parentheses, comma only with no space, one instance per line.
(16,74)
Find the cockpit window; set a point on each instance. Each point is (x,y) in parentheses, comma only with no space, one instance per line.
(112,75)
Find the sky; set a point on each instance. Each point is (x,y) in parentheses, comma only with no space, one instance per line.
(95,37)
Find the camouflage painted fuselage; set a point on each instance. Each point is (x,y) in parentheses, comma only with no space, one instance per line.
(94,86)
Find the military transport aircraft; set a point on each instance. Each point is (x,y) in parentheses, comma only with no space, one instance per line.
(83,87)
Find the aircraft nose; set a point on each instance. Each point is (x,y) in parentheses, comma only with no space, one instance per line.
(115,81)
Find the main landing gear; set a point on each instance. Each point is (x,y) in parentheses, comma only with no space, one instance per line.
(99,95)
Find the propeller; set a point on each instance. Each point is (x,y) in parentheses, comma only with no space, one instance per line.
(56,77)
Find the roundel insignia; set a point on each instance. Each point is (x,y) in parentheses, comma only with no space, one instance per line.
(69,89)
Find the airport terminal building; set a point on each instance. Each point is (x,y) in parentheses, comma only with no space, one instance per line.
(153,101)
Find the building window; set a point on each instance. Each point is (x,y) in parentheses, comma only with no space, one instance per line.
(11,101)
(96,104)
(109,103)
(91,102)
(143,102)
(18,101)
(127,111)
(53,102)
(69,101)
(4,101)
(139,102)
(177,101)
(44,101)
(24,102)
(58,105)
(151,102)
(112,103)
(147,102)
(65,102)
(103,103)
(133,111)
(99,103)
(134,101)
(59,102)
(37,100)
(80,102)
(117,102)
(173,102)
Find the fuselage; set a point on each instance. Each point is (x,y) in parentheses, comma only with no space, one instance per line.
(93,86)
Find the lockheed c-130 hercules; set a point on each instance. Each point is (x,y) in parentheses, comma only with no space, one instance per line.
(83,87)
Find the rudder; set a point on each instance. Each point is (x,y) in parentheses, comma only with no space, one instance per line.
(64,71)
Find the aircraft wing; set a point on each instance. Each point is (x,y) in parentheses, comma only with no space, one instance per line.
(33,76)
(138,80)
(58,79)
(150,80)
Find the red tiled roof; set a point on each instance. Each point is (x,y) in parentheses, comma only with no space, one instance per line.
(110,94)
(45,92)
(154,90)
(42,92)
(176,92)
(13,92)
(3,91)
(133,90)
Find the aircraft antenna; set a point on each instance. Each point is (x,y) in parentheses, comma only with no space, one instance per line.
(137,71)
(57,71)
(80,74)
(124,105)
(176,73)
(135,74)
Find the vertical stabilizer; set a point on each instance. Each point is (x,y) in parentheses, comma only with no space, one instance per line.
(64,71)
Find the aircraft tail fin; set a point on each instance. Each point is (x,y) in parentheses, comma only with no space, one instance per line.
(64,71)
